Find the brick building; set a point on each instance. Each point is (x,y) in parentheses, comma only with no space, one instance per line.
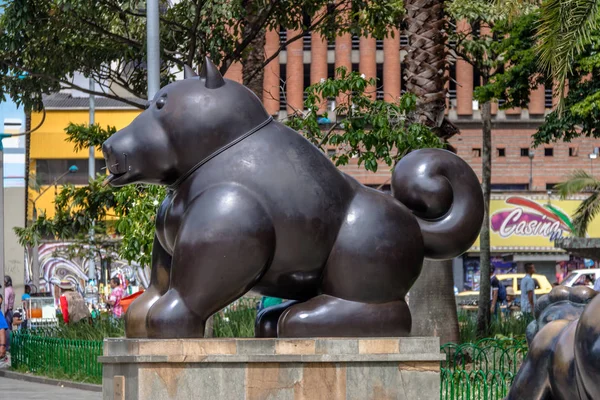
(309,60)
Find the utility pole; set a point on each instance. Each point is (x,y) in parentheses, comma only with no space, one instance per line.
(92,171)
(153,46)
(531,155)
(2,136)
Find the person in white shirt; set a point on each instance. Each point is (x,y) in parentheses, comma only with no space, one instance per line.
(528,290)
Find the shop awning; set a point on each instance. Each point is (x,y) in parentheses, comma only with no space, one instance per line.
(582,247)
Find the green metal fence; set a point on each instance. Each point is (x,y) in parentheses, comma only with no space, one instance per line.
(473,371)
(480,371)
(57,357)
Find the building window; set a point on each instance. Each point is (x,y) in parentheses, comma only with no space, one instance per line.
(379,85)
(548,152)
(282,38)
(548,95)
(330,152)
(355,67)
(509,187)
(452,82)
(306,83)
(379,44)
(476,78)
(331,71)
(524,152)
(550,186)
(306,41)
(572,151)
(476,152)
(355,42)
(282,77)
(48,171)
(501,152)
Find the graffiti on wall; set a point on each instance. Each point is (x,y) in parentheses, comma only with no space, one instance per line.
(56,267)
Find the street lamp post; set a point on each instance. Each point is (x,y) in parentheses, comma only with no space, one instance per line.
(531,155)
(153,46)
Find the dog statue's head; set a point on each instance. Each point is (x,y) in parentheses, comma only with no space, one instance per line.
(185,122)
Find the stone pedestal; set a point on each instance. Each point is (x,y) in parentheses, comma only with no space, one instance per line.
(272,369)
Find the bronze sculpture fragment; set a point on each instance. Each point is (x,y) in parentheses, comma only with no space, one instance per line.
(563,362)
(254,205)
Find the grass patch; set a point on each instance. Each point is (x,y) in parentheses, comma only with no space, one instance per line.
(513,326)
(236,320)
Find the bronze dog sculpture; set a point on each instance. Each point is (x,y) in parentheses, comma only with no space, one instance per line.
(563,362)
(254,205)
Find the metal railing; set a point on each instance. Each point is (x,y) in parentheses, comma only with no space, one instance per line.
(56,357)
(480,371)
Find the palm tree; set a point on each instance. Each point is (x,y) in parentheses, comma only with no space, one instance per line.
(580,181)
(432,302)
(565,29)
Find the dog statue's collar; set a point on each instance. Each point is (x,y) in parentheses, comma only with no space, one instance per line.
(183,177)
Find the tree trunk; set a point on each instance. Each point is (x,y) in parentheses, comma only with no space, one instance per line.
(483,313)
(432,302)
(426,62)
(253,63)
(209,330)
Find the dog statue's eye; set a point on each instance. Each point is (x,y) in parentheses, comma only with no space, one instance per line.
(160,103)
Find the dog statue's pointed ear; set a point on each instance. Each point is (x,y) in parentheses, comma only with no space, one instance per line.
(188,72)
(211,74)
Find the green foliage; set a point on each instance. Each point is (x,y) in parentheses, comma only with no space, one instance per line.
(44,42)
(370,130)
(236,320)
(514,326)
(506,57)
(580,181)
(515,83)
(581,111)
(81,209)
(87,329)
(136,212)
(565,29)
(83,135)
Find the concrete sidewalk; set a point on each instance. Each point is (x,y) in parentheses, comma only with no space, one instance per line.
(22,390)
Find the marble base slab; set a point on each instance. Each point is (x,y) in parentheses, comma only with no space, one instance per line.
(272,369)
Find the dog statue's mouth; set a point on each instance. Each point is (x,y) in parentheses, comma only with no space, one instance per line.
(112,178)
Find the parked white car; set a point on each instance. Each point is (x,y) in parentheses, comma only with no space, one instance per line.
(579,277)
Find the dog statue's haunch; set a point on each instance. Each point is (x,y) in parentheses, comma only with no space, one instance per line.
(254,205)
(563,362)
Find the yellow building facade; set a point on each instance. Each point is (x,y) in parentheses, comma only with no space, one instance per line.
(51,155)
